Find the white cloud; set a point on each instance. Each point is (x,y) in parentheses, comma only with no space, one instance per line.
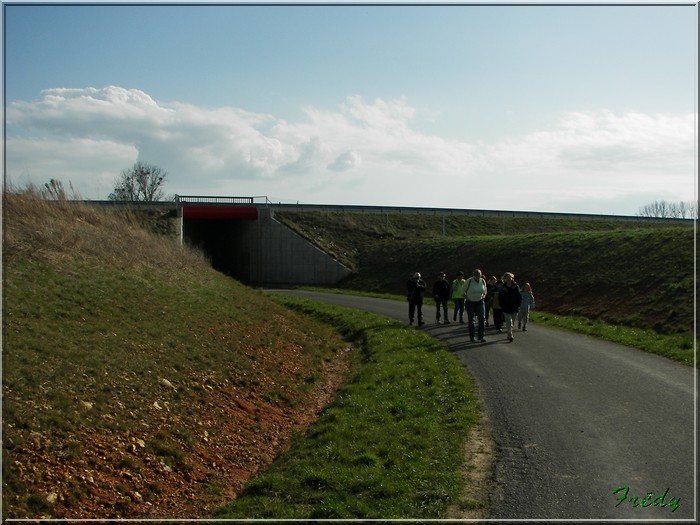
(361,153)
(345,161)
(90,165)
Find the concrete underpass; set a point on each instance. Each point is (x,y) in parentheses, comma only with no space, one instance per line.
(225,234)
(247,243)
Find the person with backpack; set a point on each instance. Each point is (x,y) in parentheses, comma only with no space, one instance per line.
(496,304)
(441,293)
(475,292)
(509,298)
(415,291)
(488,300)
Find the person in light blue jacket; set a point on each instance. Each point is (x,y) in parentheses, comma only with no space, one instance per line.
(527,304)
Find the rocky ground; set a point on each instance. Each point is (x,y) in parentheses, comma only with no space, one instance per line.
(235,436)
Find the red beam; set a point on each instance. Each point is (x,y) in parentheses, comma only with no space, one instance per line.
(220,212)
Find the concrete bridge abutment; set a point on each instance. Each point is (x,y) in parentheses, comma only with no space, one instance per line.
(248,243)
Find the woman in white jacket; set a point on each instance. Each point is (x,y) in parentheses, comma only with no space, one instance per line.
(474,295)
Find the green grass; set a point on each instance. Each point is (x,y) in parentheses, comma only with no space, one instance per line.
(677,347)
(347,236)
(388,447)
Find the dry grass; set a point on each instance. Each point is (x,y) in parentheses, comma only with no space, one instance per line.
(60,230)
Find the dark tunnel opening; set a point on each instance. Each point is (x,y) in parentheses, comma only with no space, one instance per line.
(225,242)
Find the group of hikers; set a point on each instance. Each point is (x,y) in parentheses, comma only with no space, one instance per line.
(508,302)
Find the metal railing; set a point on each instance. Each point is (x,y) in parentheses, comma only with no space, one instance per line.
(213,199)
(391,210)
(342,208)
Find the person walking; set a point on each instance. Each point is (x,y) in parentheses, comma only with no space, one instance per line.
(441,293)
(475,293)
(526,304)
(488,300)
(510,299)
(496,305)
(458,288)
(416,289)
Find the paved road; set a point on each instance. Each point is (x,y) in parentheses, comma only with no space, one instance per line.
(573,419)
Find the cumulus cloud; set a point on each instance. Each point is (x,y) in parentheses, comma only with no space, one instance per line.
(359,152)
(602,156)
(90,165)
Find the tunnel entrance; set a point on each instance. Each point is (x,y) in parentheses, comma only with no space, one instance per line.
(226,235)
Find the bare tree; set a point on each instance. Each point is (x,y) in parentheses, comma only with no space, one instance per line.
(140,183)
(672,210)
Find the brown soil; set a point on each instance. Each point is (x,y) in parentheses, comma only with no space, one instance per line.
(234,437)
(478,470)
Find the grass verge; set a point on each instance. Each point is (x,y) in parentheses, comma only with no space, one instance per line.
(677,347)
(388,447)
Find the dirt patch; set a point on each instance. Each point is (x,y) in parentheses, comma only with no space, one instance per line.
(478,469)
(234,436)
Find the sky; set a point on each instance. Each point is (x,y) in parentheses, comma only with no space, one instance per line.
(552,108)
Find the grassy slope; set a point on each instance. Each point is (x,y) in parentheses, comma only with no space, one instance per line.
(118,339)
(628,273)
(138,382)
(348,235)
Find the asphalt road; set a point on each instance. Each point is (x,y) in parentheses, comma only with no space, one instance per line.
(573,419)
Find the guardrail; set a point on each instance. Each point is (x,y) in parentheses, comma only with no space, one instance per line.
(340,208)
(214,199)
(262,200)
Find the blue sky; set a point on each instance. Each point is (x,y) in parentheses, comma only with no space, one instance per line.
(589,109)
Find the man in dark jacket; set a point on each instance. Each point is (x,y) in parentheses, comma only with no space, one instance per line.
(509,298)
(441,293)
(416,288)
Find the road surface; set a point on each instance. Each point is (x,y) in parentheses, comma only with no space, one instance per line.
(574,419)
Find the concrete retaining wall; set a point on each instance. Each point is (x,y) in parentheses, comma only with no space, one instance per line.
(284,257)
(262,251)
